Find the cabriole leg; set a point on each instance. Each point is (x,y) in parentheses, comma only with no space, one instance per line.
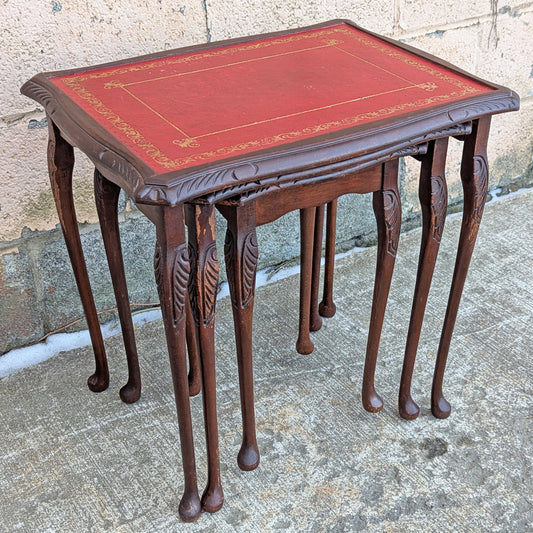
(106,194)
(307,224)
(203,284)
(60,165)
(171,266)
(475,179)
(386,204)
(241,255)
(315,321)
(327,306)
(433,200)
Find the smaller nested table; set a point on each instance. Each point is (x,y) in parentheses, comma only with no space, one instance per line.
(256,126)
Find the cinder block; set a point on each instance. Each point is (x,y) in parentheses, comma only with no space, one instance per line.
(458,46)
(506,54)
(20,319)
(27,199)
(61,303)
(415,15)
(234,19)
(510,147)
(45,36)
(488,48)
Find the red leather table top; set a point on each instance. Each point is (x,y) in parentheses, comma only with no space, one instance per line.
(188,109)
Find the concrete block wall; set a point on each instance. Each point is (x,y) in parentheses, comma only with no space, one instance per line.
(490,38)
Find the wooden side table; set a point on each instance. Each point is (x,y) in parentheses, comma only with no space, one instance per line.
(223,120)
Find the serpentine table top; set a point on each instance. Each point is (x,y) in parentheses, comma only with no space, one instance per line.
(185,123)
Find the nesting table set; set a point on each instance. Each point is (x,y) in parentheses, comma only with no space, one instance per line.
(257,127)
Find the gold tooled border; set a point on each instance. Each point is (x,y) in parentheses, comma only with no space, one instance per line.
(134,136)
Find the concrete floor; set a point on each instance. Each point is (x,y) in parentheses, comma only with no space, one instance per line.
(74,461)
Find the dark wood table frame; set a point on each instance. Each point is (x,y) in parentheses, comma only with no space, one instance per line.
(298,168)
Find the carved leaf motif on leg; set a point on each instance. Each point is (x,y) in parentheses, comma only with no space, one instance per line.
(392,220)
(438,206)
(250,254)
(180,277)
(210,284)
(481,182)
(193,289)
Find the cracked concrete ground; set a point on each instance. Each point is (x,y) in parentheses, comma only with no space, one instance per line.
(72,461)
